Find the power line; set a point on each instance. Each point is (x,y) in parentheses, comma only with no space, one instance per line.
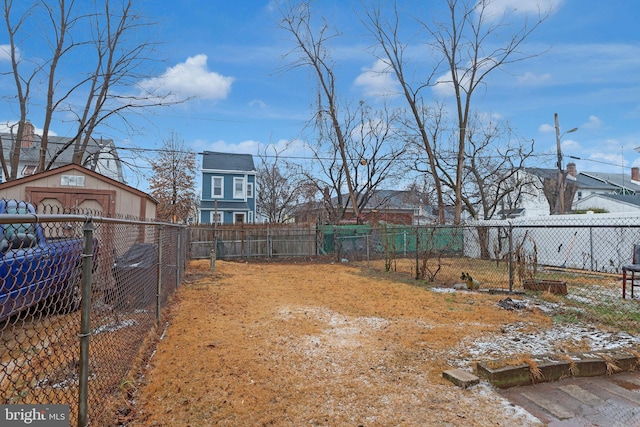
(381,158)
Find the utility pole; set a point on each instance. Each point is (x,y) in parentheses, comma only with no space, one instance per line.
(560,202)
(559,209)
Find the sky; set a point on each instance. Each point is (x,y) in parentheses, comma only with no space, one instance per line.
(230,59)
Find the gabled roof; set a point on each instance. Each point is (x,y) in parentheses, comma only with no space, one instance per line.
(543,172)
(75,167)
(629,199)
(55,143)
(227,161)
(582,180)
(30,155)
(386,199)
(394,199)
(620,180)
(585,181)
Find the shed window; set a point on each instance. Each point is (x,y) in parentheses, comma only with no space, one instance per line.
(72,181)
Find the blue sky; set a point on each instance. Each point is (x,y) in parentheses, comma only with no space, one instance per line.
(230,57)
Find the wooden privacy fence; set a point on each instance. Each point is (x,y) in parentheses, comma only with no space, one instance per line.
(300,240)
(259,241)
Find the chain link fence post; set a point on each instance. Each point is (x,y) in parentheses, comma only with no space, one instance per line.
(85,324)
(159,287)
(417,253)
(178,258)
(510,258)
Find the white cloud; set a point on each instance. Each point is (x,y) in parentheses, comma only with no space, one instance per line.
(546,128)
(284,147)
(609,157)
(530,78)
(444,84)
(570,145)
(7,126)
(257,103)
(190,79)
(378,80)
(496,9)
(593,123)
(5,52)
(244,147)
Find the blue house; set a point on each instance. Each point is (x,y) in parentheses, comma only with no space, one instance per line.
(228,188)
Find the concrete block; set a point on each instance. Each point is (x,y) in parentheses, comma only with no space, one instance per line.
(461,378)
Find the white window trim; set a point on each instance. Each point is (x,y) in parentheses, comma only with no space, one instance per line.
(72,181)
(244,214)
(213,179)
(212,217)
(239,194)
(249,190)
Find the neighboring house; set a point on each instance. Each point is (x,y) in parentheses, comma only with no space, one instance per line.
(612,203)
(534,203)
(101,155)
(75,189)
(623,183)
(394,207)
(228,188)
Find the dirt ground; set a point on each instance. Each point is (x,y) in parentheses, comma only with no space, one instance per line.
(323,344)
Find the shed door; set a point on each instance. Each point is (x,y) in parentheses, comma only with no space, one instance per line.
(97,203)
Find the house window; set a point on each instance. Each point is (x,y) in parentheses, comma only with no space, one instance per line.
(579,195)
(250,217)
(238,188)
(249,190)
(216,217)
(29,170)
(217,187)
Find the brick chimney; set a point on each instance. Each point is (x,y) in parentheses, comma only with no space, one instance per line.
(635,174)
(571,169)
(28,135)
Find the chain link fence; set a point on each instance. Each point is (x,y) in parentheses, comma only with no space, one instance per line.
(579,261)
(79,298)
(577,258)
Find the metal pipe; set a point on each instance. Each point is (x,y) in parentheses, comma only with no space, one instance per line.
(85,325)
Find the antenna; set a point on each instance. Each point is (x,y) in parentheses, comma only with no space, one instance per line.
(624,190)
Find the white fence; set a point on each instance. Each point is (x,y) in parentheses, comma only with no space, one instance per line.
(589,242)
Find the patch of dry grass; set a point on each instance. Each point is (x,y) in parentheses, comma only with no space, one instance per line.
(318,344)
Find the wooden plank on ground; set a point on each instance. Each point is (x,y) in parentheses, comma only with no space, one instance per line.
(558,411)
(619,391)
(581,394)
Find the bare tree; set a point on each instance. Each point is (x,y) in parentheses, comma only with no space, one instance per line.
(278,190)
(106,34)
(492,175)
(374,150)
(468,46)
(386,34)
(173,181)
(313,53)
(23,83)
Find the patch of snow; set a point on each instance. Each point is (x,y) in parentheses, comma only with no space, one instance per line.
(114,326)
(443,290)
(515,339)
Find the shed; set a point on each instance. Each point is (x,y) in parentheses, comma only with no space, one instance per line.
(75,189)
